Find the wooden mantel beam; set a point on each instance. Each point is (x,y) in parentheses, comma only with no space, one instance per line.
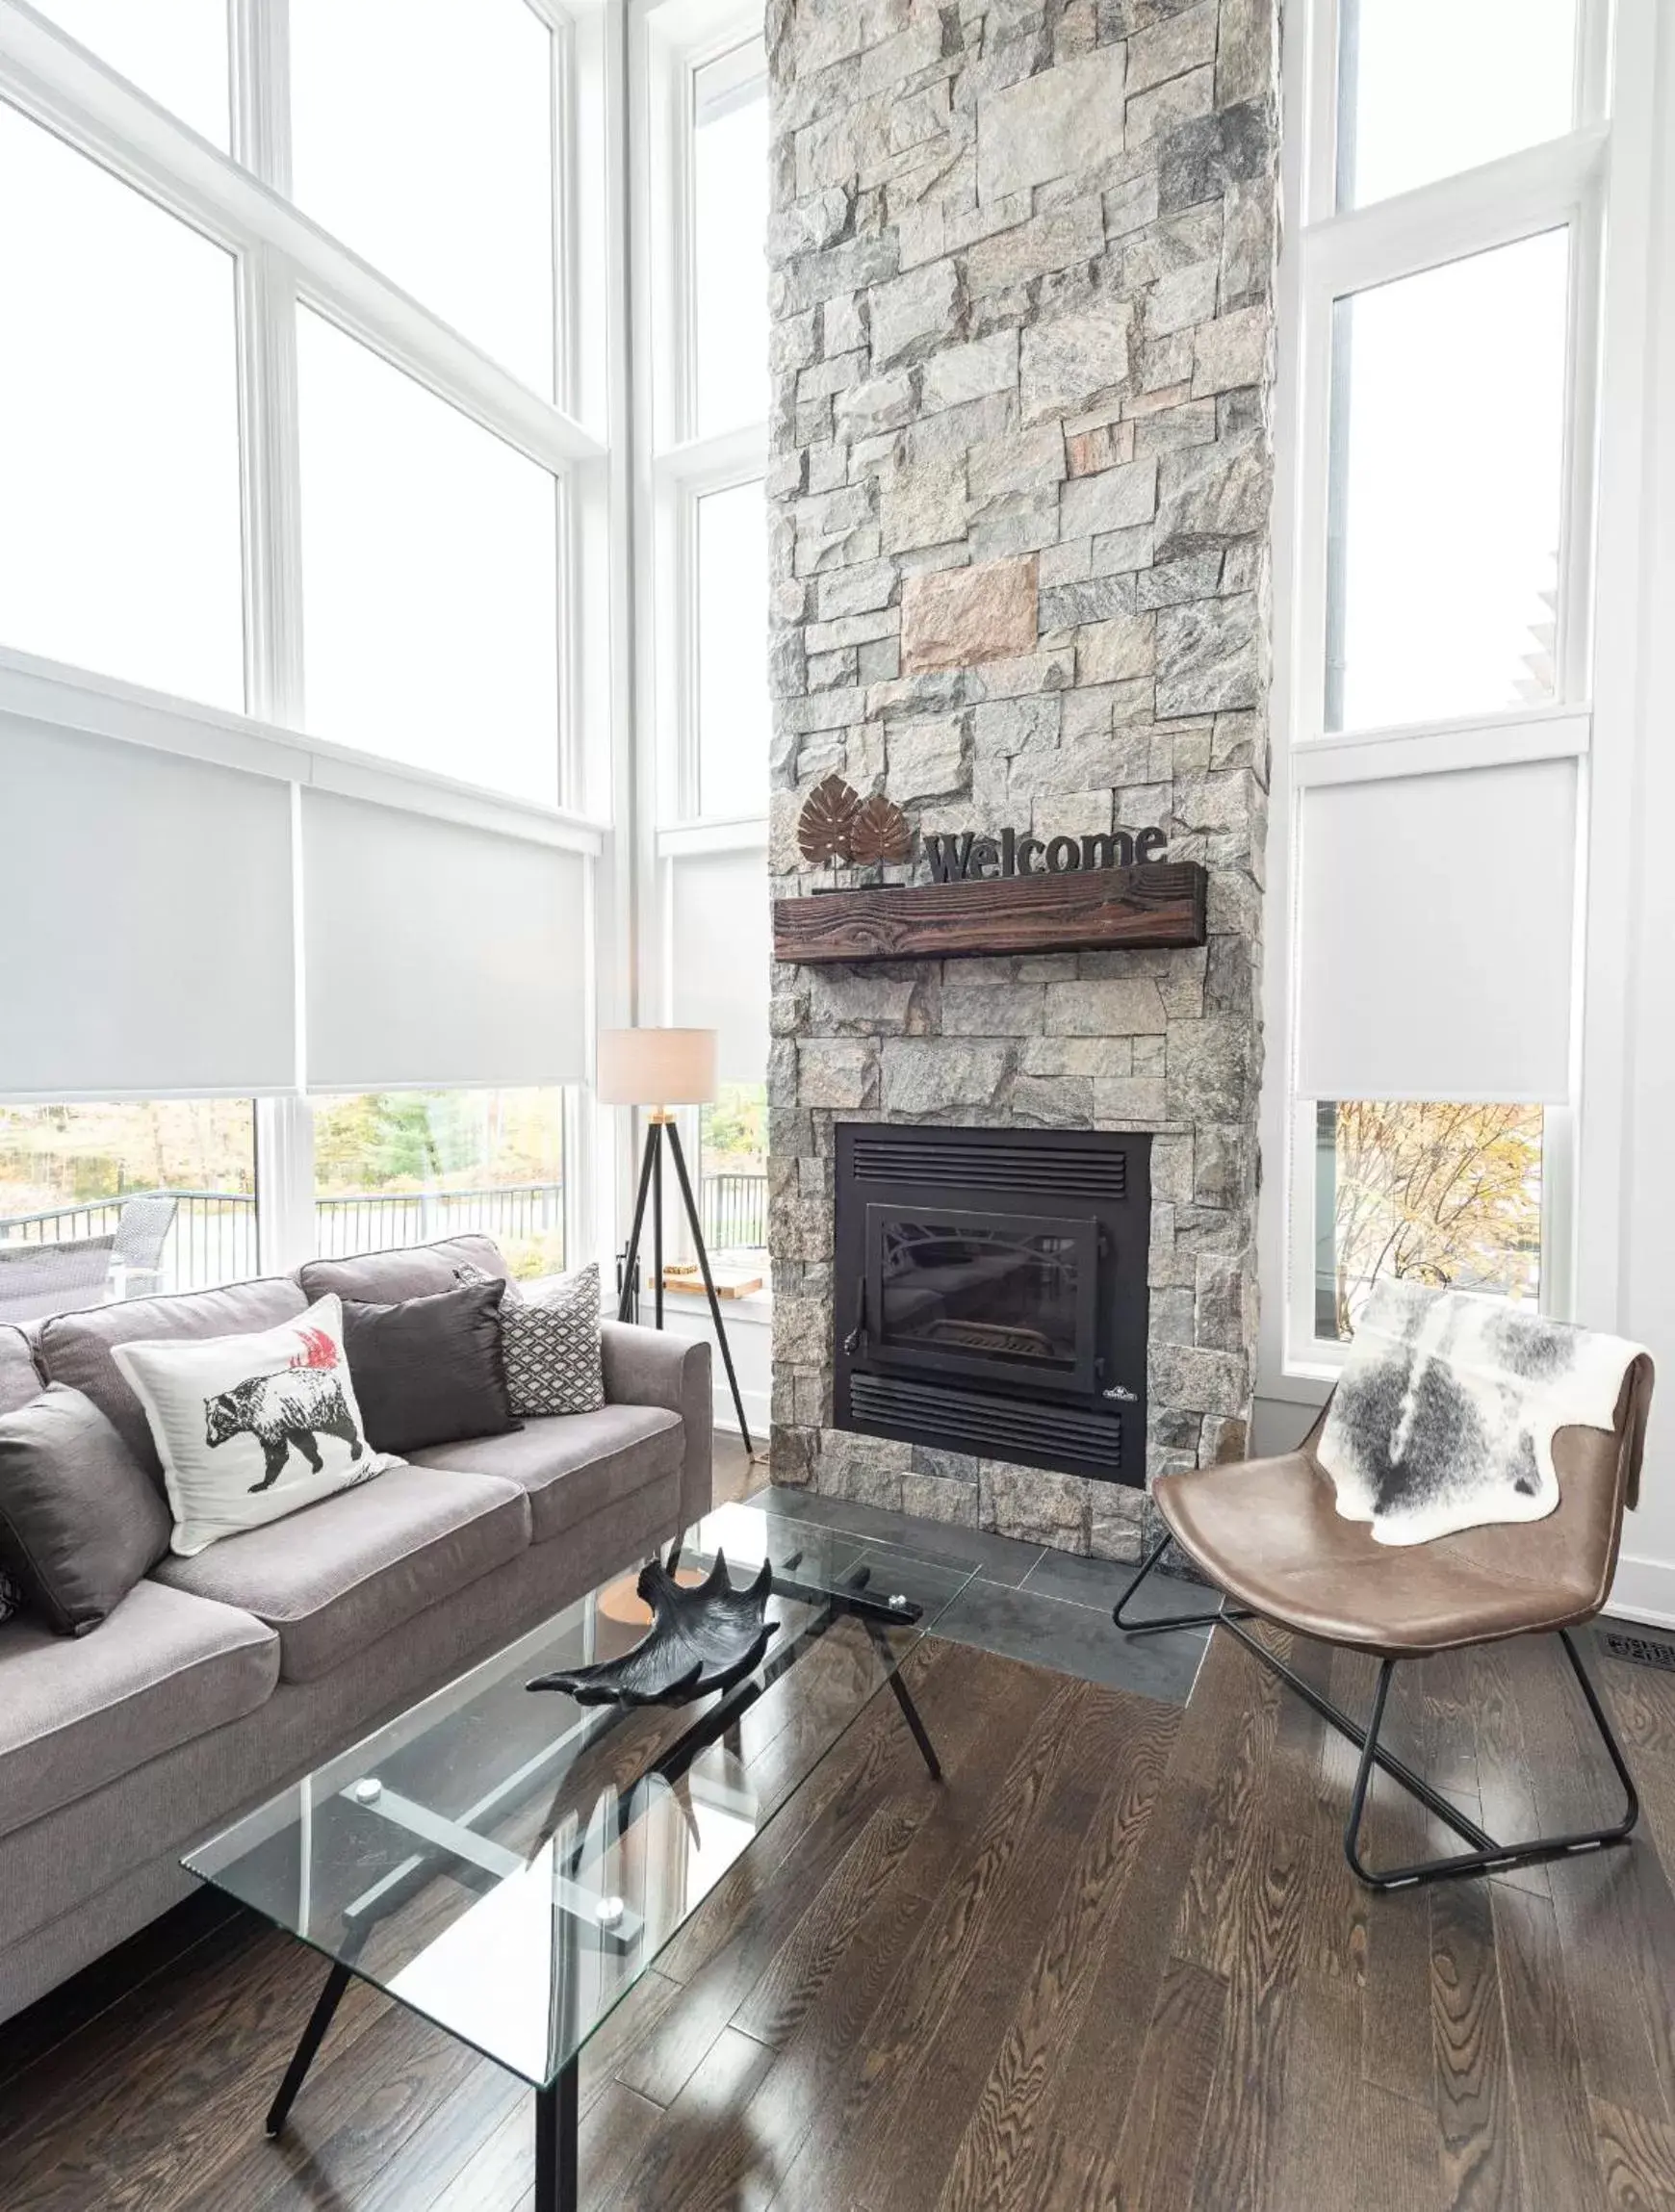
(1158,904)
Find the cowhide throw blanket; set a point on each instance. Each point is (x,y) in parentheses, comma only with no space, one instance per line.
(1445,1413)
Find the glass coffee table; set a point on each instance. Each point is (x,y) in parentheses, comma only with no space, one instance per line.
(510,1865)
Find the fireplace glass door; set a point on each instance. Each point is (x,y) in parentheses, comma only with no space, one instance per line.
(1010,1296)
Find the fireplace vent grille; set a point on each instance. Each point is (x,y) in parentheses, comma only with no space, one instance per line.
(960,1419)
(921,1156)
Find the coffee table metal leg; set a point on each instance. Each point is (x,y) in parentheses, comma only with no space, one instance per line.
(909,1713)
(313,2035)
(556,2186)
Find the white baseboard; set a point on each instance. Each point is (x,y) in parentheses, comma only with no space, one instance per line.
(1644,1591)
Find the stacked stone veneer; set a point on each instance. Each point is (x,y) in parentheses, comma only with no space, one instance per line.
(1022,328)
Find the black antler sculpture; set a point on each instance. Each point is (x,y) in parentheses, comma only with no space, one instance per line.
(703,1637)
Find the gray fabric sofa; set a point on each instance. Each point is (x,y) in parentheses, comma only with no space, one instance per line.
(222,1677)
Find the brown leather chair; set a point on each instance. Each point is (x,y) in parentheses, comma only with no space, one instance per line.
(1269,1533)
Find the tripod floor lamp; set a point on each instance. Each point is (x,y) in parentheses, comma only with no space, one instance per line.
(659,1068)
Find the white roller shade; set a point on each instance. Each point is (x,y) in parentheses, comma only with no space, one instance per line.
(1435,933)
(439,957)
(719,962)
(146,905)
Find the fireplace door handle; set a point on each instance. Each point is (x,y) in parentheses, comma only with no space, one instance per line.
(857,1336)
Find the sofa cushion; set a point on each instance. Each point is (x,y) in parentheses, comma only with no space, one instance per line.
(163,1669)
(427,1369)
(339,1575)
(80,1519)
(572,1464)
(19,1380)
(75,1348)
(413,1270)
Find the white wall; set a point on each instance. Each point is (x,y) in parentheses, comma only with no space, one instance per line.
(750,1333)
(1645,1586)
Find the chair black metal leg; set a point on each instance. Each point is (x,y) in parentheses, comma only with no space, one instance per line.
(313,2036)
(1490,1857)
(558,2184)
(1396,1768)
(1175,1620)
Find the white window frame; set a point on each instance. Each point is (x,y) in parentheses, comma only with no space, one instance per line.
(238,201)
(670,41)
(1596,183)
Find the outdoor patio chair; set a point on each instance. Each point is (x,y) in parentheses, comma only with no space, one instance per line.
(141,1232)
(1268,1533)
(36,1279)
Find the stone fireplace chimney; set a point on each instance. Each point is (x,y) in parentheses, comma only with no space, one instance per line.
(1020,486)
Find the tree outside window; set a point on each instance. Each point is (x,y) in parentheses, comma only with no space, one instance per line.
(1441,1194)
(404,1167)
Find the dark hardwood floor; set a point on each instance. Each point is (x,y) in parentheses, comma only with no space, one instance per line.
(1116,1963)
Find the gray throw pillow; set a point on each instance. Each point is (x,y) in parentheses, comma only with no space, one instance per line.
(80,1519)
(429,1370)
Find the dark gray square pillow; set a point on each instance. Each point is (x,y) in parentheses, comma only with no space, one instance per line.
(80,1519)
(429,1370)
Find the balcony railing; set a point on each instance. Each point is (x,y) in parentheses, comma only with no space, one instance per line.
(370,1221)
(213,1237)
(734,1209)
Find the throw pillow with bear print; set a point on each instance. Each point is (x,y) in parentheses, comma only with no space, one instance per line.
(250,1428)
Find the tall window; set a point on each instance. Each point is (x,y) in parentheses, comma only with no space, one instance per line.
(1435,666)
(729,180)
(309,471)
(119,522)
(706,606)
(304,502)
(423,133)
(430,575)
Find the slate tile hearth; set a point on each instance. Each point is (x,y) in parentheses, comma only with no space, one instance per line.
(1027,1624)
(1033,1603)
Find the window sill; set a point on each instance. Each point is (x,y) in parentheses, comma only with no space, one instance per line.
(757,1306)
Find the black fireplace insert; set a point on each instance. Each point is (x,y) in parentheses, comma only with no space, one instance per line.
(991,1293)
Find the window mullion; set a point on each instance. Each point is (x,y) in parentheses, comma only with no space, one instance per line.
(271,467)
(1542,188)
(259,45)
(283,1183)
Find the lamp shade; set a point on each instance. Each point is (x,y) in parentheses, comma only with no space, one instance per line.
(656,1067)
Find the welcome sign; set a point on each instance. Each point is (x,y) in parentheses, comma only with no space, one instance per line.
(837,824)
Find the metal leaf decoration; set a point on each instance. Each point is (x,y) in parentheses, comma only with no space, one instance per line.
(880,833)
(827,822)
(703,1637)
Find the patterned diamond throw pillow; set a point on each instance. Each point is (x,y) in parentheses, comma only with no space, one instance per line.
(551,1345)
(10,1596)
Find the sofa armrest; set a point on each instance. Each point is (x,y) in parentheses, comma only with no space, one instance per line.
(645,1367)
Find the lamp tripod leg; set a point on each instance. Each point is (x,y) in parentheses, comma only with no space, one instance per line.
(709,1287)
(626,1301)
(657,1129)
